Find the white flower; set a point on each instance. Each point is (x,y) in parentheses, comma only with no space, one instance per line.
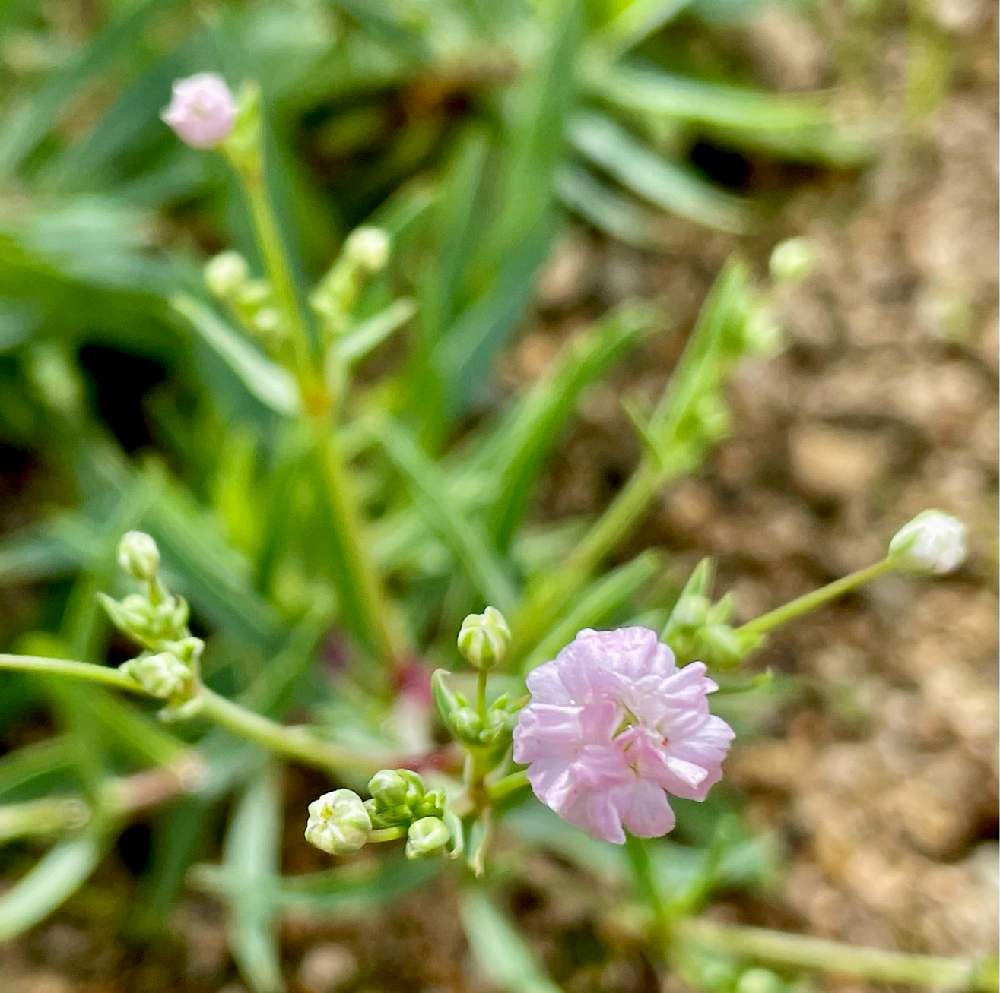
(338,822)
(932,543)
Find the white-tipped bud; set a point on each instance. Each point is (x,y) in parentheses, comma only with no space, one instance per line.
(368,248)
(161,675)
(484,638)
(426,836)
(138,555)
(933,543)
(338,822)
(226,274)
(792,259)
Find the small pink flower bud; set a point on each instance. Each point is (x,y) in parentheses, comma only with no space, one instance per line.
(202,110)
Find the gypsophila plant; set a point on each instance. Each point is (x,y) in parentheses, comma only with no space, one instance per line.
(339,520)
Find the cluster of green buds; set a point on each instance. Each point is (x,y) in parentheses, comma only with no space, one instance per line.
(400,806)
(158,620)
(365,253)
(228,279)
(700,629)
(483,641)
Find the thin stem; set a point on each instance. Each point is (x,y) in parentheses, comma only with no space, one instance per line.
(817,598)
(647,884)
(278,270)
(503,788)
(607,531)
(366,587)
(481,680)
(292,742)
(831,956)
(362,579)
(103,674)
(386,834)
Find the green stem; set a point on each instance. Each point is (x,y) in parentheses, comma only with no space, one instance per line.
(366,590)
(103,674)
(503,788)
(291,742)
(278,270)
(361,579)
(647,885)
(481,680)
(831,956)
(386,834)
(817,598)
(607,531)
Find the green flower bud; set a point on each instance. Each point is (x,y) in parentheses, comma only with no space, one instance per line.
(426,836)
(162,675)
(338,822)
(759,981)
(690,611)
(932,544)
(388,788)
(226,274)
(720,645)
(138,555)
(367,248)
(484,638)
(465,725)
(792,260)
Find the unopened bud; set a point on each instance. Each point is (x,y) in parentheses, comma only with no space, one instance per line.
(202,110)
(226,274)
(933,543)
(792,259)
(138,555)
(368,248)
(161,675)
(338,822)
(484,638)
(691,611)
(388,788)
(426,836)
(720,645)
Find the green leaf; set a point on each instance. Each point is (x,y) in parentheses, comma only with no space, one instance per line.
(268,382)
(595,605)
(251,852)
(363,339)
(55,878)
(616,214)
(648,175)
(430,490)
(499,951)
(528,434)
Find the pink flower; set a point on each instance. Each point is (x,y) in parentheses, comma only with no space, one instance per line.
(612,727)
(202,109)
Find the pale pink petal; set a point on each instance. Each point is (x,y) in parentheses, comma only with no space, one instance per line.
(643,809)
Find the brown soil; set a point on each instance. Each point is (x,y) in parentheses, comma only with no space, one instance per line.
(880,779)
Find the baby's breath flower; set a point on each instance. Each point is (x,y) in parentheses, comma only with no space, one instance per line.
(932,543)
(202,110)
(338,822)
(612,727)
